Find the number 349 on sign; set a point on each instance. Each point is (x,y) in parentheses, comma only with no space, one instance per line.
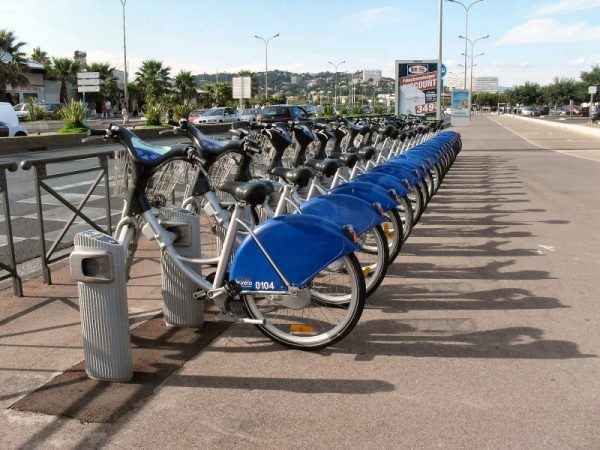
(427,107)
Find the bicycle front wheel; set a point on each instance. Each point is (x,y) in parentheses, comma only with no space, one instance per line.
(320,323)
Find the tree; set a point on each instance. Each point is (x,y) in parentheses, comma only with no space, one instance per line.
(12,62)
(530,93)
(219,93)
(39,55)
(563,90)
(108,88)
(64,70)
(185,86)
(591,78)
(153,79)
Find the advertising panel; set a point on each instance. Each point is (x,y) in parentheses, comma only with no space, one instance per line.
(416,87)
(460,108)
(460,103)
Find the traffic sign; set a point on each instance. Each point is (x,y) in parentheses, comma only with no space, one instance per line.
(88,82)
(88,89)
(242,87)
(443,70)
(87,75)
(593,90)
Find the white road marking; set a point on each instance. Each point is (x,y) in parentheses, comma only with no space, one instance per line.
(547,247)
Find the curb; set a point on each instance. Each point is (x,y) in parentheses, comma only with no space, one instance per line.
(595,132)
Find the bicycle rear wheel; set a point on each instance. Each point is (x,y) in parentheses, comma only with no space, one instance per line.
(321,323)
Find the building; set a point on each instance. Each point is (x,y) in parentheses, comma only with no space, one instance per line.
(374,75)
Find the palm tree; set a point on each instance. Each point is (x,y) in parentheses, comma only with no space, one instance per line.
(65,70)
(108,88)
(12,62)
(185,85)
(39,55)
(219,93)
(153,79)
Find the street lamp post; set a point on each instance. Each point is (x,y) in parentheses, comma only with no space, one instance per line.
(125,57)
(266,62)
(335,83)
(467,8)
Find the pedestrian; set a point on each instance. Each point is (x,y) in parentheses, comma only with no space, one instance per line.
(108,107)
(103,110)
(135,112)
(125,115)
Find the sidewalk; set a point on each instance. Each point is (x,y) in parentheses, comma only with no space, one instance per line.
(483,334)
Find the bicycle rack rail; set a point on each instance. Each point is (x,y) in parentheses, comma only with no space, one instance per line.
(11,267)
(40,175)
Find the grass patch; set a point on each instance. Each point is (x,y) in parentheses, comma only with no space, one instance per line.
(72,129)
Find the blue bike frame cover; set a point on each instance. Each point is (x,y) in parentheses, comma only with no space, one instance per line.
(368,192)
(301,245)
(384,180)
(343,210)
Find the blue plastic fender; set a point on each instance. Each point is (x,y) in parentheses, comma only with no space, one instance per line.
(412,165)
(384,180)
(398,171)
(301,245)
(343,210)
(369,192)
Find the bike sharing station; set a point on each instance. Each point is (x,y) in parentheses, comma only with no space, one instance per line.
(254,263)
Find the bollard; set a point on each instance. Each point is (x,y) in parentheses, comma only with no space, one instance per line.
(98,266)
(180,308)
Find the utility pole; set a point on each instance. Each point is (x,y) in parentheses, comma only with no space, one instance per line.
(266,62)
(125,58)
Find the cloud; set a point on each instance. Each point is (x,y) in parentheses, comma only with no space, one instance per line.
(566,6)
(371,18)
(537,31)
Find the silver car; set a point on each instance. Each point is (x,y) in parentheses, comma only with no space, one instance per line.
(218,115)
(248,115)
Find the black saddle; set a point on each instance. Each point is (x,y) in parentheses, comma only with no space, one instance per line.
(347,159)
(298,177)
(252,192)
(365,153)
(327,167)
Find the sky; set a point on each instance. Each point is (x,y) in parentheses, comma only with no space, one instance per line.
(530,40)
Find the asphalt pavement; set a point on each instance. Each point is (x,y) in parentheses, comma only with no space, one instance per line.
(484,334)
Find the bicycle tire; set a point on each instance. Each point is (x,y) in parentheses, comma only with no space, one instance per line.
(373,256)
(298,335)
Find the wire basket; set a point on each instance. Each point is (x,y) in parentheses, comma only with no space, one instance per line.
(161,186)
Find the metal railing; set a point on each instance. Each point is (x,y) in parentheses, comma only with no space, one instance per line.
(11,266)
(41,175)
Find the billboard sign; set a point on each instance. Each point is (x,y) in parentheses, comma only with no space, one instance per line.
(416,87)
(460,108)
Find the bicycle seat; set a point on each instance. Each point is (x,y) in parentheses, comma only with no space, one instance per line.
(252,192)
(365,153)
(347,159)
(299,177)
(327,167)
(150,155)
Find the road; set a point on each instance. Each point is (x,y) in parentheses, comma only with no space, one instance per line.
(73,187)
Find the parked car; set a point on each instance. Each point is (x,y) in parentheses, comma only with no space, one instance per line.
(248,115)
(574,110)
(218,115)
(194,115)
(529,111)
(282,113)
(544,110)
(9,122)
(22,111)
(558,111)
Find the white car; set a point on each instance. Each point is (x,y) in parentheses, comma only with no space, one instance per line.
(9,122)
(22,110)
(448,111)
(218,115)
(248,115)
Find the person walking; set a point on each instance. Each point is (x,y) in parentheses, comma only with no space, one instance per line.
(108,106)
(103,108)
(125,115)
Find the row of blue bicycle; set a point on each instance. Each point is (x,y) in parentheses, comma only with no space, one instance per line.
(299,221)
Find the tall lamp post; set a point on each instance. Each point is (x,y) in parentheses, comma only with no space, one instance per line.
(335,83)
(125,57)
(467,8)
(472,58)
(266,62)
